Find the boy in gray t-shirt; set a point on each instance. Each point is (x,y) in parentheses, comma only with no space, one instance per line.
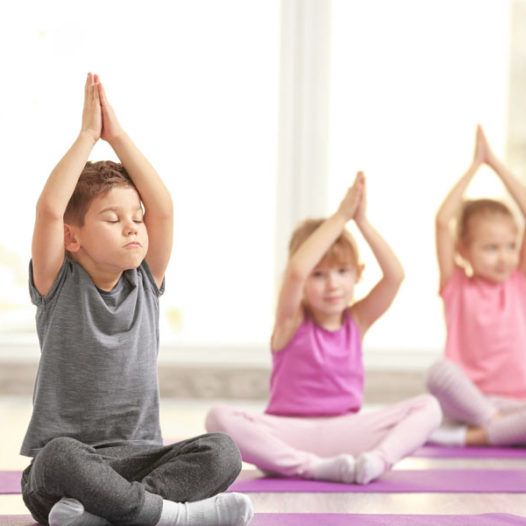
(94,433)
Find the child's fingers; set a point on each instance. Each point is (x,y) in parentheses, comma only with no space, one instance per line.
(102,94)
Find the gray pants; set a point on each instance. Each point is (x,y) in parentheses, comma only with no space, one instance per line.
(126,484)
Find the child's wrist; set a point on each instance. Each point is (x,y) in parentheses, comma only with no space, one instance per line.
(89,136)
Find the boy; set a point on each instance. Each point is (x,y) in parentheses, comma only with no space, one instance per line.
(94,433)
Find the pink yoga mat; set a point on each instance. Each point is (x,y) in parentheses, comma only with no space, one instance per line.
(396,481)
(432,451)
(340,519)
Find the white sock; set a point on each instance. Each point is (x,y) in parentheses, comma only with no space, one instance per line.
(368,467)
(339,469)
(449,435)
(225,509)
(70,512)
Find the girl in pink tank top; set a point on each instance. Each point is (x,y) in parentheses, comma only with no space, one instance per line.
(313,427)
(481,383)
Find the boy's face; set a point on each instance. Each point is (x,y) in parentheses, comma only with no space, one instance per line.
(114,237)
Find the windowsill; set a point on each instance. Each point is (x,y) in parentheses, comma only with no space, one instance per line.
(24,348)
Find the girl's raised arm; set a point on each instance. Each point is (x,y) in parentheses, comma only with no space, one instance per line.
(289,313)
(514,187)
(366,311)
(449,209)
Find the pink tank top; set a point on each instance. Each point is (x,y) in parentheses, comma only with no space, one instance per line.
(486,331)
(319,372)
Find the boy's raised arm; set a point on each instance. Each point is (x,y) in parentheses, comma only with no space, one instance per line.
(158,215)
(48,233)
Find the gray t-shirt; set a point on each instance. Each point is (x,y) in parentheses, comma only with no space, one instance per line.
(97,377)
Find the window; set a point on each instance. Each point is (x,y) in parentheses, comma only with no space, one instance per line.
(195,86)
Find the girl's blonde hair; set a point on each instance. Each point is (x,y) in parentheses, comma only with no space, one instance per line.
(476,209)
(343,250)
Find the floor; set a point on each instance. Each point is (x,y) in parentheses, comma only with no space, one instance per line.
(181,418)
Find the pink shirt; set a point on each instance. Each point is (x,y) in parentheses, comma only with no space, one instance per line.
(319,372)
(486,331)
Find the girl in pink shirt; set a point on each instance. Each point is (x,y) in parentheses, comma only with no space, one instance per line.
(313,427)
(481,383)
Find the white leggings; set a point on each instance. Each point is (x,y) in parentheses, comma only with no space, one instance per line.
(290,446)
(463,401)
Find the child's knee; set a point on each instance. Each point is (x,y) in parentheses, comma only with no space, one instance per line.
(438,375)
(55,460)
(225,453)
(217,418)
(433,410)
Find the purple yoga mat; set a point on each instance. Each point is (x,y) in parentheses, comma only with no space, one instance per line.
(340,519)
(10,482)
(17,520)
(396,481)
(432,451)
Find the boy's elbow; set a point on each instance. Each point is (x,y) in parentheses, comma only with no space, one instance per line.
(47,211)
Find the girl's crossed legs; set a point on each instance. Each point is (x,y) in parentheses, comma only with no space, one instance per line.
(325,447)
(492,420)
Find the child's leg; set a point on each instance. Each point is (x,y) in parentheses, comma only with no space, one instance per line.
(98,482)
(281,445)
(393,433)
(509,426)
(460,399)
(68,468)
(187,471)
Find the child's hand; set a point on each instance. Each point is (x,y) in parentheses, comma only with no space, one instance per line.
(111,128)
(91,113)
(481,147)
(350,203)
(362,205)
(489,156)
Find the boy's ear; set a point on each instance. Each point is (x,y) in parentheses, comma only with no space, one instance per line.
(71,239)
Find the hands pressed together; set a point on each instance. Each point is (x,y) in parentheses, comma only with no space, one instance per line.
(353,205)
(98,118)
(483,153)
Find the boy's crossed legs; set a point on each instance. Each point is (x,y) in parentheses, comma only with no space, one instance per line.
(137,485)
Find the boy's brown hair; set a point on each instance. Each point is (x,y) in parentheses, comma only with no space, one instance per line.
(343,250)
(478,208)
(96,178)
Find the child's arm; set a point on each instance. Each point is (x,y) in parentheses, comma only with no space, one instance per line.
(289,312)
(445,240)
(514,187)
(158,215)
(48,233)
(366,311)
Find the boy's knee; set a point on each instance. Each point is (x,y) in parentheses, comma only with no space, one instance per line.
(225,457)
(60,455)
(56,458)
